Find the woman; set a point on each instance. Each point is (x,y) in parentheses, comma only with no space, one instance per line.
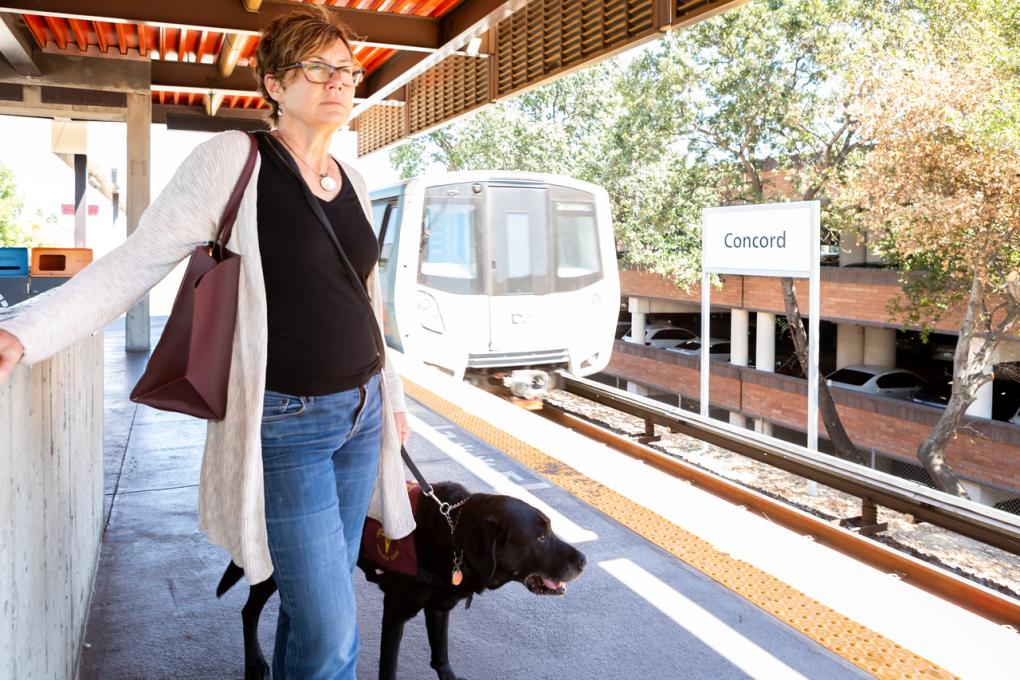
(289,474)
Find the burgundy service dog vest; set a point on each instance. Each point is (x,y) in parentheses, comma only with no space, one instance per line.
(392,555)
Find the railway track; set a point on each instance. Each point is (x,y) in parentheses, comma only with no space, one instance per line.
(945,584)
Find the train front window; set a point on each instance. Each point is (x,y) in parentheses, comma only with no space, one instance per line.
(449,245)
(578,263)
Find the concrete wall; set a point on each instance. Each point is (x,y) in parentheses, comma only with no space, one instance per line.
(51,509)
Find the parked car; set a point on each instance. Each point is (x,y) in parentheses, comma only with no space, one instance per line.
(718,349)
(1005,398)
(663,337)
(889,382)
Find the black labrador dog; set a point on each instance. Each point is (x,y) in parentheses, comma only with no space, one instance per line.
(493,540)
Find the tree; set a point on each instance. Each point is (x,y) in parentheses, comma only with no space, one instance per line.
(943,186)
(10,209)
(775,82)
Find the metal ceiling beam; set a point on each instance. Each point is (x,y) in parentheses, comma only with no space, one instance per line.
(382,29)
(468,20)
(15,47)
(203,76)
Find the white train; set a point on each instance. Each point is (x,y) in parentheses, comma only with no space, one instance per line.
(499,276)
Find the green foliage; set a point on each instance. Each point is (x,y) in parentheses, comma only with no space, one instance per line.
(15,228)
(10,209)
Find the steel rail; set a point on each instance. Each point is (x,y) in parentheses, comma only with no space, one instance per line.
(974,597)
(963,516)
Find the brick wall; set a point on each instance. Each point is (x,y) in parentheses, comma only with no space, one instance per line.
(849,295)
(984,451)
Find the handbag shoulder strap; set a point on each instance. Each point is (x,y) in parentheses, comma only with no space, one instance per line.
(226,227)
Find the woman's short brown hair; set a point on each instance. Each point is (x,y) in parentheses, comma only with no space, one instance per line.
(291,37)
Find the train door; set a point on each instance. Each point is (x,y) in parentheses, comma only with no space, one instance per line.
(521,313)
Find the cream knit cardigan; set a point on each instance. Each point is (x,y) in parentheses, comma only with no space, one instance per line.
(186,214)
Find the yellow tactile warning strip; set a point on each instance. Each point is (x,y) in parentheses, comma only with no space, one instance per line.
(857,644)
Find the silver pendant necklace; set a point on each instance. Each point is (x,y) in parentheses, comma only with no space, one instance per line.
(325,181)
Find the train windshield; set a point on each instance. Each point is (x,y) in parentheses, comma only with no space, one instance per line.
(450,245)
(578,263)
(509,239)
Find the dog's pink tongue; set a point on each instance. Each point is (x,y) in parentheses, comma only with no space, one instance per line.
(551,585)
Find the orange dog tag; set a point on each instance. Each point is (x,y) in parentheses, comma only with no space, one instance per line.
(457,577)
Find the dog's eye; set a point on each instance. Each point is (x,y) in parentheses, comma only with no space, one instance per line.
(541,539)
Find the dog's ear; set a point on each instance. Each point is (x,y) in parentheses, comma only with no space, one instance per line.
(483,546)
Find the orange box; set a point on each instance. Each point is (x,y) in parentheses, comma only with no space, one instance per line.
(59,261)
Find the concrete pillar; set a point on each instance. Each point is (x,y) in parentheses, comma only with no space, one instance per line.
(981,407)
(139,123)
(762,426)
(738,336)
(765,343)
(849,345)
(638,389)
(638,309)
(738,352)
(880,346)
(738,419)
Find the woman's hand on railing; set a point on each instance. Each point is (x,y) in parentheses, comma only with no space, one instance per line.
(11,351)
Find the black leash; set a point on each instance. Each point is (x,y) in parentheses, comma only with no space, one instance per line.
(445,509)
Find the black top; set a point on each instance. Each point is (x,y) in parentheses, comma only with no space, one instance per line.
(320,328)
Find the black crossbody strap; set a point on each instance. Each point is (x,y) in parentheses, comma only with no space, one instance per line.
(328,226)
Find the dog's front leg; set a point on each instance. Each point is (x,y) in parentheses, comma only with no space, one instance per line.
(437,623)
(255,666)
(393,620)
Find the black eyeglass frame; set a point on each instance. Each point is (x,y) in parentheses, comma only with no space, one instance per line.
(357,74)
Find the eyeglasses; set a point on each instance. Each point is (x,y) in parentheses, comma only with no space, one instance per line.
(317,72)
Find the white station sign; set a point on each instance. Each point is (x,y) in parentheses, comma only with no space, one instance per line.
(777,239)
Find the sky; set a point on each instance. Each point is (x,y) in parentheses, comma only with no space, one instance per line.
(44,182)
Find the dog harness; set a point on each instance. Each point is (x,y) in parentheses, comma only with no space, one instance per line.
(399,556)
(388,554)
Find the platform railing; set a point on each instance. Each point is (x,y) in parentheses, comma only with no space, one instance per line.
(51,508)
(963,516)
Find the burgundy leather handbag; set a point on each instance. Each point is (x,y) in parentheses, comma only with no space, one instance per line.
(189,370)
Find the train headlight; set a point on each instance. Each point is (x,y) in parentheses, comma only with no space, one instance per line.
(428,313)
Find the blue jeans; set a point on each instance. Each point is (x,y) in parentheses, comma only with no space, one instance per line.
(320,456)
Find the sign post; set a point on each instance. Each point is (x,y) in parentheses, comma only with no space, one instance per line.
(773,239)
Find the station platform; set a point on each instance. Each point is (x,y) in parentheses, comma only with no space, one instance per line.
(679,584)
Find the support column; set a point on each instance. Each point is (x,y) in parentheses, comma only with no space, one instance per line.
(739,321)
(981,407)
(765,343)
(638,309)
(765,358)
(139,124)
(849,345)
(80,201)
(880,347)
(637,388)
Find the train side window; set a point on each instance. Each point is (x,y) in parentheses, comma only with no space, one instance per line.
(379,211)
(387,234)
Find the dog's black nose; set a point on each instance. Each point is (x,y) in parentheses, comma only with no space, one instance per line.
(580,561)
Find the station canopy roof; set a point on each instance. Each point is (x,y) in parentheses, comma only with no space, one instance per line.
(427,61)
